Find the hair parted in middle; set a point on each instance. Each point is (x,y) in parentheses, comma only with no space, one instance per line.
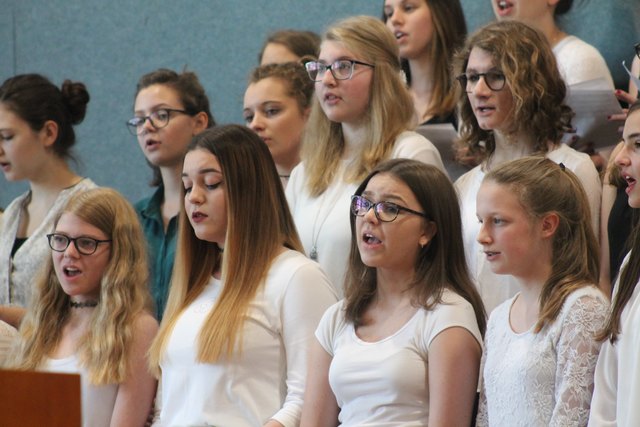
(525,57)
(544,187)
(440,264)
(124,294)
(259,224)
(389,113)
(450,30)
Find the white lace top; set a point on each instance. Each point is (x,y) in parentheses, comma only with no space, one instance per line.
(545,378)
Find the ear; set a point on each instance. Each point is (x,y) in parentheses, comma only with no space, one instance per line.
(49,133)
(428,232)
(201,122)
(553,3)
(549,224)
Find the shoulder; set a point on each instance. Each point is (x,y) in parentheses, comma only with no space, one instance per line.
(579,163)
(585,308)
(410,144)
(575,46)
(453,311)
(293,269)
(144,326)
(468,179)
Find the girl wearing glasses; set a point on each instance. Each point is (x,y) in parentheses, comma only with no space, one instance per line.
(617,378)
(511,105)
(276,106)
(427,33)
(244,300)
(36,136)
(89,312)
(360,116)
(169,109)
(541,344)
(404,346)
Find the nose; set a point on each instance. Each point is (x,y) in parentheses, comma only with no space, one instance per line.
(622,158)
(195,196)
(327,78)
(370,215)
(481,89)
(396,17)
(256,123)
(483,237)
(147,126)
(71,251)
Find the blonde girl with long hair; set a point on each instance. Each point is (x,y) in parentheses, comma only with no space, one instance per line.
(540,345)
(244,300)
(362,114)
(89,312)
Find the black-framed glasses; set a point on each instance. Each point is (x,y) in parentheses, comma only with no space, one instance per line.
(495,80)
(342,69)
(158,119)
(84,245)
(637,48)
(384,211)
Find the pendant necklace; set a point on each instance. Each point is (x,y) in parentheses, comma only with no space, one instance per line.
(315,235)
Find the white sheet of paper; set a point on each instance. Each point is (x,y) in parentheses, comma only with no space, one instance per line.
(634,79)
(592,102)
(443,136)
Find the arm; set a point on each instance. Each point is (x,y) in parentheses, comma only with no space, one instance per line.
(482,420)
(320,407)
(454,365)
(577,354)
(12,315)
(306,298)
(135,394)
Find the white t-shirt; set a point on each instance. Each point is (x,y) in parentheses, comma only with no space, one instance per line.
(542,379)
(266,381)
(616,398)
(97,401)
(323,221)
(385,383)
(496,288)
(579,62)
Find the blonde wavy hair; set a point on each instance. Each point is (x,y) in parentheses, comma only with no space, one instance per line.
(259,224)
(124,295)
(525,57)
(389,113)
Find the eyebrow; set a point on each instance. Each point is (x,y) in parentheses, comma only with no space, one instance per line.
(203,171)
(386,197)
(154,108)
(633,135)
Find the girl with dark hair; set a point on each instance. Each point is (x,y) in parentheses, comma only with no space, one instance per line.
(36,136)
(617,379)
(403,347)
(169,109)
(428,32)
(244,300)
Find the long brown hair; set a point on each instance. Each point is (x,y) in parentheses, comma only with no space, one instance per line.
(629,276)
(259,224)
(449,35)
(440,264)
(544,187)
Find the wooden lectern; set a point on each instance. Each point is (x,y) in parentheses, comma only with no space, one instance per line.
(39,399)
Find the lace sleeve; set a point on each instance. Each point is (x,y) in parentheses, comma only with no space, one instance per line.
(482,420)
(577,354)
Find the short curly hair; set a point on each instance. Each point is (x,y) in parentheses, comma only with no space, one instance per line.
(525,57)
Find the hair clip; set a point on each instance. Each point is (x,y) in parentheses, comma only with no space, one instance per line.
(561,165)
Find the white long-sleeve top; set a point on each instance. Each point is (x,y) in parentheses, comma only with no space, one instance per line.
(267,379)
(616,398)
(323,221)
(497,288)
(542,379)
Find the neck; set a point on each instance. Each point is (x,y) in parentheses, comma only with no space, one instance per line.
(421,75)
(172,183)
(509,147)
(547,25)
(354,136)
(394,285)
(81,315)
(53,178)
